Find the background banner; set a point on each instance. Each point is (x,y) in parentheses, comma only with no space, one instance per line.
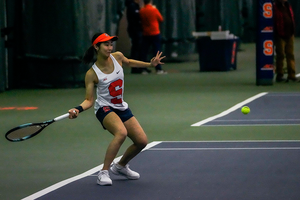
(264,44)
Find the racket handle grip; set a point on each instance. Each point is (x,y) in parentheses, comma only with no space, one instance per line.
(61,117)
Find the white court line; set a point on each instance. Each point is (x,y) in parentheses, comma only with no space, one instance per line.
(214,149)
(216,125)
(284,94)
(226,112)
(75,178)
(254,120)
(150,145)
(230,141)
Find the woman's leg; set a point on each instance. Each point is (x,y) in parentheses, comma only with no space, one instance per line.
(115,126)
(136,133)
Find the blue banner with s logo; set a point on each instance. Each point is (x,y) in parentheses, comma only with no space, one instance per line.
(264,43)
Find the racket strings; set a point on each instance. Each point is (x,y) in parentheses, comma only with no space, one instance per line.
(24,132)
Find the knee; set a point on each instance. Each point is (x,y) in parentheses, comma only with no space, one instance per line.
(120,136)
(142,143)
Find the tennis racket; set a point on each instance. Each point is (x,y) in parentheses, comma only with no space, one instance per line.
(26,131)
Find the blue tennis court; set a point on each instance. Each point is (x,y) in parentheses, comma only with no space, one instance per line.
(266,169)
(266,109)
(198,170)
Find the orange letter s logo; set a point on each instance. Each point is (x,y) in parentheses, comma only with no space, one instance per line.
(268,12)
(268,47)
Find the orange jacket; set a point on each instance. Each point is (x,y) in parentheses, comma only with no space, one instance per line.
(150,18)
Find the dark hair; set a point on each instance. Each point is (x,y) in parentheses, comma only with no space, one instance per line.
(89,54)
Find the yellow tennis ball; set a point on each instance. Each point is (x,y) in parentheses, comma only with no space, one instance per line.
(245,110)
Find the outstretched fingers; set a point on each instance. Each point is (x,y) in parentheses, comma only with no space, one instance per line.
(158,56)
(157,59)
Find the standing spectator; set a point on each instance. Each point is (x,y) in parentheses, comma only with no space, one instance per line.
(134,30)
(151,18)
(284,32)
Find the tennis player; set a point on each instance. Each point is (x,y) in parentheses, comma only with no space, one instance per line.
(110,108)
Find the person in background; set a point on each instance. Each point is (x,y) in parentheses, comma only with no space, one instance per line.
(110,108)
(134,30)
(284,34)
(151,18)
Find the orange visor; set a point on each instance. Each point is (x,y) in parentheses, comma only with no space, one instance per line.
(104,37)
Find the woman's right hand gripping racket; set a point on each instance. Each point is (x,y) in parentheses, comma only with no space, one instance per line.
(26,131)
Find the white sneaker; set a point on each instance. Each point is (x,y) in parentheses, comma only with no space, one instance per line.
(161,72)
(103,178)
(124,171)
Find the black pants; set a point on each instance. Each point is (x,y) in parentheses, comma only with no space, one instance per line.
(135,52)
(153,42)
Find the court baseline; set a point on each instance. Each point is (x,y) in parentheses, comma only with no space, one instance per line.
(276,109)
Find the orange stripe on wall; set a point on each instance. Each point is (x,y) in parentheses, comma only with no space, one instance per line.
(18,108)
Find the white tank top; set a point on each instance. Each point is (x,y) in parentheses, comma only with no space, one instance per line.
(110,88)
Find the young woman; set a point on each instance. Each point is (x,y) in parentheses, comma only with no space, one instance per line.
(110,108)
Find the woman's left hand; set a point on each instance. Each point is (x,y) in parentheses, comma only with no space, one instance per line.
(157,59)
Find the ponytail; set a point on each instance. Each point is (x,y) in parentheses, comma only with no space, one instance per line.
(89,54)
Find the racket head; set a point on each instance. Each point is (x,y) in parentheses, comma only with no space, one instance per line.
(25,131)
